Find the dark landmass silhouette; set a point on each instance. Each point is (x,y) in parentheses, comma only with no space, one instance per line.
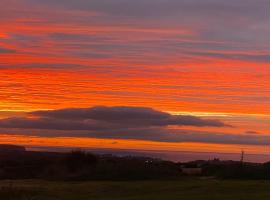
(11,148)
(18,163)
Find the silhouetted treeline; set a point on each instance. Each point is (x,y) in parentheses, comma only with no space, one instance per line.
(80,165)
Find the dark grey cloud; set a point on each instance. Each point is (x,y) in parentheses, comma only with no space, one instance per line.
(105,113)
(52,124)
(234,56)
(150,134)
(131,123)
(5,50)
(41,65)
(78,37)
(180,135)
(163,8)
(104,118)
(126,117)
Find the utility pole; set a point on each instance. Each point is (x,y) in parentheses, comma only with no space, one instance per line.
(242,156)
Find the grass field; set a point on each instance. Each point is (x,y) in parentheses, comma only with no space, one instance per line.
(146,190)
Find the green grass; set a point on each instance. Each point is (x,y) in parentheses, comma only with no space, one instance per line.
(146,190)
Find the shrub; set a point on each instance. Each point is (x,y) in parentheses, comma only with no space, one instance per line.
(77,160)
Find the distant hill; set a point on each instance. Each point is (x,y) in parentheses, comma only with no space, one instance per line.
(6,148)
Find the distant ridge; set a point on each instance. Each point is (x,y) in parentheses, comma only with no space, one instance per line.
(6,148)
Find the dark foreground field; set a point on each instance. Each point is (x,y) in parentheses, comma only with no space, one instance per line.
(147,190)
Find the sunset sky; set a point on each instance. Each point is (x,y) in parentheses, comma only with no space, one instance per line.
(164,75)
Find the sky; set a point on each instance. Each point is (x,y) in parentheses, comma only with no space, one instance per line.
(163,75)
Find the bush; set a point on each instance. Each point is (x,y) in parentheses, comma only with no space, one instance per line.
(78,160)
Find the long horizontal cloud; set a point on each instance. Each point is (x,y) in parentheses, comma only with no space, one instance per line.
(104,118)
(157,8)
(5,50)
(150,134)
(130,123)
